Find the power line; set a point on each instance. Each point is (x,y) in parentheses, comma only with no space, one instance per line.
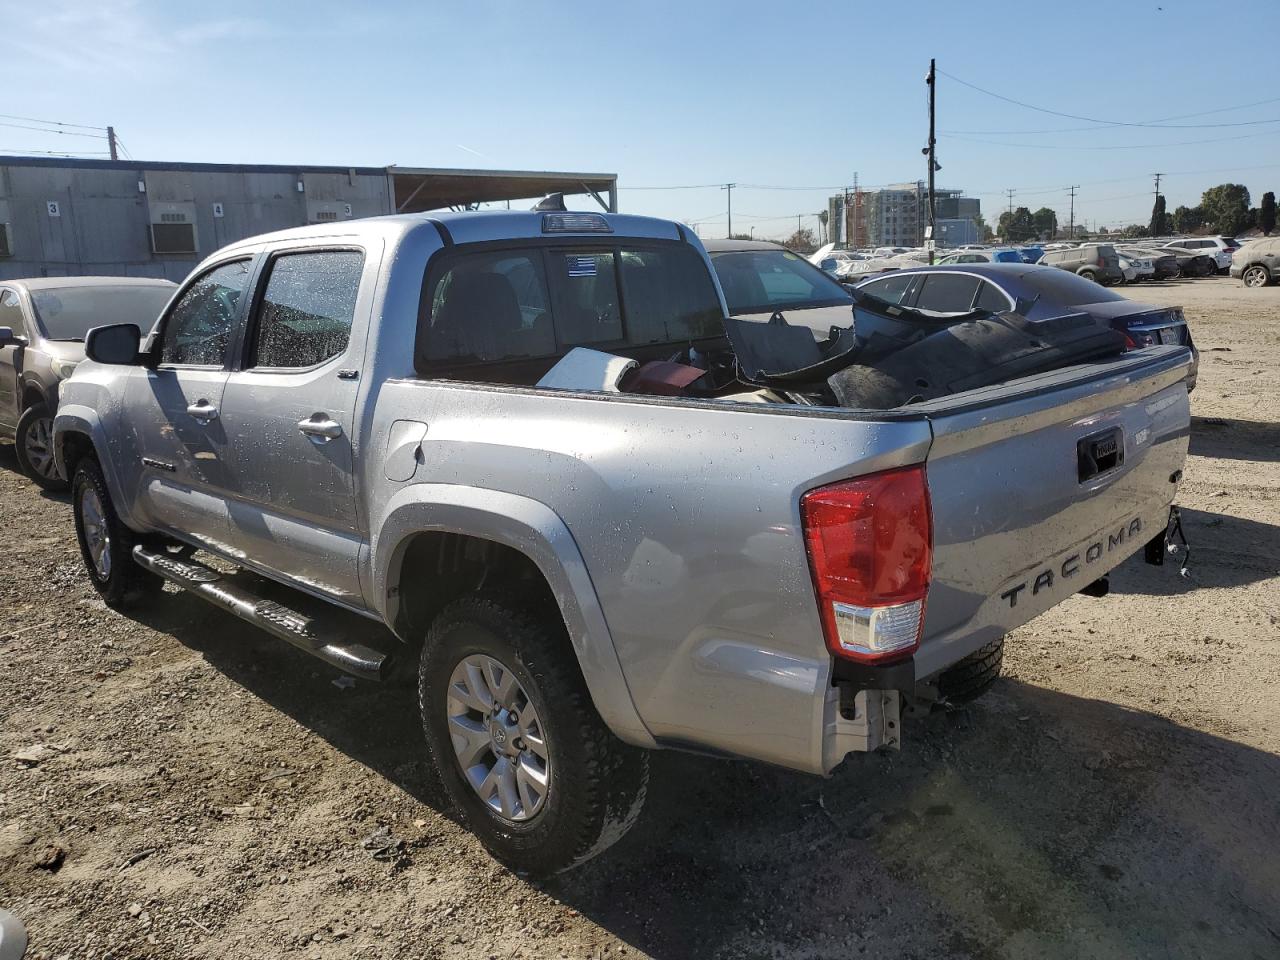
(1076,116)
(17,151)
(64,133)
(1126,146)
(53,123)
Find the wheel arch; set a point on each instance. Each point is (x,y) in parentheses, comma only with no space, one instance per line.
(442,530)
(32,393)
(77,432)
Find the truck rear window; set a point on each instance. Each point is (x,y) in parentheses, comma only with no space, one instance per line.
(495,306)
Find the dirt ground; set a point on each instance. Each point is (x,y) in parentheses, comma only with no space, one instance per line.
(175,784)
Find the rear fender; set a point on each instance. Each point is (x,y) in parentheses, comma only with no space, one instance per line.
(535,530)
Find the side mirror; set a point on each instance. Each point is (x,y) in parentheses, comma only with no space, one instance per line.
(117,344)
(10,339)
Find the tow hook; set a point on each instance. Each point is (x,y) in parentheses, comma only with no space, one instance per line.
(1163,543)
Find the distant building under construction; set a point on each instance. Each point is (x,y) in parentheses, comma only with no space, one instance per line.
(896,216)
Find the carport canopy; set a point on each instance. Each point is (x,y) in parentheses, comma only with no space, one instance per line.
(417,189)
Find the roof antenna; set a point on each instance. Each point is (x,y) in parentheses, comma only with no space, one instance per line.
(551,202)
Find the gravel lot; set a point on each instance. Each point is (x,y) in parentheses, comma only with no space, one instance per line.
(175,784)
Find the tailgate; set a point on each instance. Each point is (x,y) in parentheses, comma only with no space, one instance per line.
(1041,486)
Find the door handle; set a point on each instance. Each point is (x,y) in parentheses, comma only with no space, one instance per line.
(203,410)
(321,428)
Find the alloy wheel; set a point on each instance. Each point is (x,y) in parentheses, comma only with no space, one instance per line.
(498,738)
(38,447)
(97,536)
(1255,277)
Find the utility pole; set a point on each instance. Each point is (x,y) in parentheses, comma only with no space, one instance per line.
(1157,200)
(729,187)
(111,142)
(1071,230)
(854,245)
(1010,193)
(932,150)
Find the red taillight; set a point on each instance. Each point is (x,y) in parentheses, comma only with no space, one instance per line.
(870,544)
(1102,261)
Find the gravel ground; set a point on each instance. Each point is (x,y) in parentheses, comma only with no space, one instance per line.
(174,784)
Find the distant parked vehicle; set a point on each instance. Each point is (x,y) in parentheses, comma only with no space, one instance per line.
(1193,263)
(759,278)
(1163,262)
(1220,248)
(1257,264)
(984,256)
(42,326)
(1038,292)
(1031,254)
(1136,267)
(1093,261)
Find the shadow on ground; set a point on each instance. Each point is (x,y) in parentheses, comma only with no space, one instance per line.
(1031,823)
(1226,551)
(9,462)
(1220,438)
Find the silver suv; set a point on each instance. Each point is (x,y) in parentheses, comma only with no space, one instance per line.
(42,327)
(1220,248)
(1093,261)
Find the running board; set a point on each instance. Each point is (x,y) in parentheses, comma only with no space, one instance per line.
(308,633)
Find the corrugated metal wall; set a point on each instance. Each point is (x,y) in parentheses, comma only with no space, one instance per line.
(74,221)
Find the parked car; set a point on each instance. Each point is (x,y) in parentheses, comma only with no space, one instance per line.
(1036,291)
(1193,263)
(1031,254)
(984,256)
(1136,268)
(759,278)
(586,573)
(1163,263)
(1257,263)
(42,326)
(1093,261)
(1220,248)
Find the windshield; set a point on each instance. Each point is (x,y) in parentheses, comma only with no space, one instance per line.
(755,281)
(1067,289)
(68,313)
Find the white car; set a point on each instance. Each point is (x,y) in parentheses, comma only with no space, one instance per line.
(1220,248)
(1136,268)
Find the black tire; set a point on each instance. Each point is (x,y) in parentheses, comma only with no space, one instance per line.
(33,444)
(598,783)
(1090,275)
(1256,275)
(125,583)
(972,676)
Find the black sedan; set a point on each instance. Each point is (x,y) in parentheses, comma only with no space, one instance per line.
(1036,292)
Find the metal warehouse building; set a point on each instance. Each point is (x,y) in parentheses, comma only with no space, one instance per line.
(68,217)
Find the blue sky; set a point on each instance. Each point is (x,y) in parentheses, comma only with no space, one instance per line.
(792,95)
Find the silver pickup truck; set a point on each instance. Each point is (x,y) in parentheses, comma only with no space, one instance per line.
(358,411)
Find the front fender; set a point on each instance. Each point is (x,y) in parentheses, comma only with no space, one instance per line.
(77,418)
(536,531)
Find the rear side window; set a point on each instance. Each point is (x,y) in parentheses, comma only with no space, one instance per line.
(947,292)
(198,326)
(305,315)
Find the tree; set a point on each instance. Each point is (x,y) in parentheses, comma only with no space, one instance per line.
(1226,208)
(1267,213)
(1103,230)
(1159,219)
(801,241)
(1136,230)
(1046,222)
(1017,226)
(1187,219)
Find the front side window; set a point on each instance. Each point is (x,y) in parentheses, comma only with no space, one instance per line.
(947,292)
(199,325)
(307,308)
(11,313)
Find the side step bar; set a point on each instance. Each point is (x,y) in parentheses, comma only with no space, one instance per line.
(310,634)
